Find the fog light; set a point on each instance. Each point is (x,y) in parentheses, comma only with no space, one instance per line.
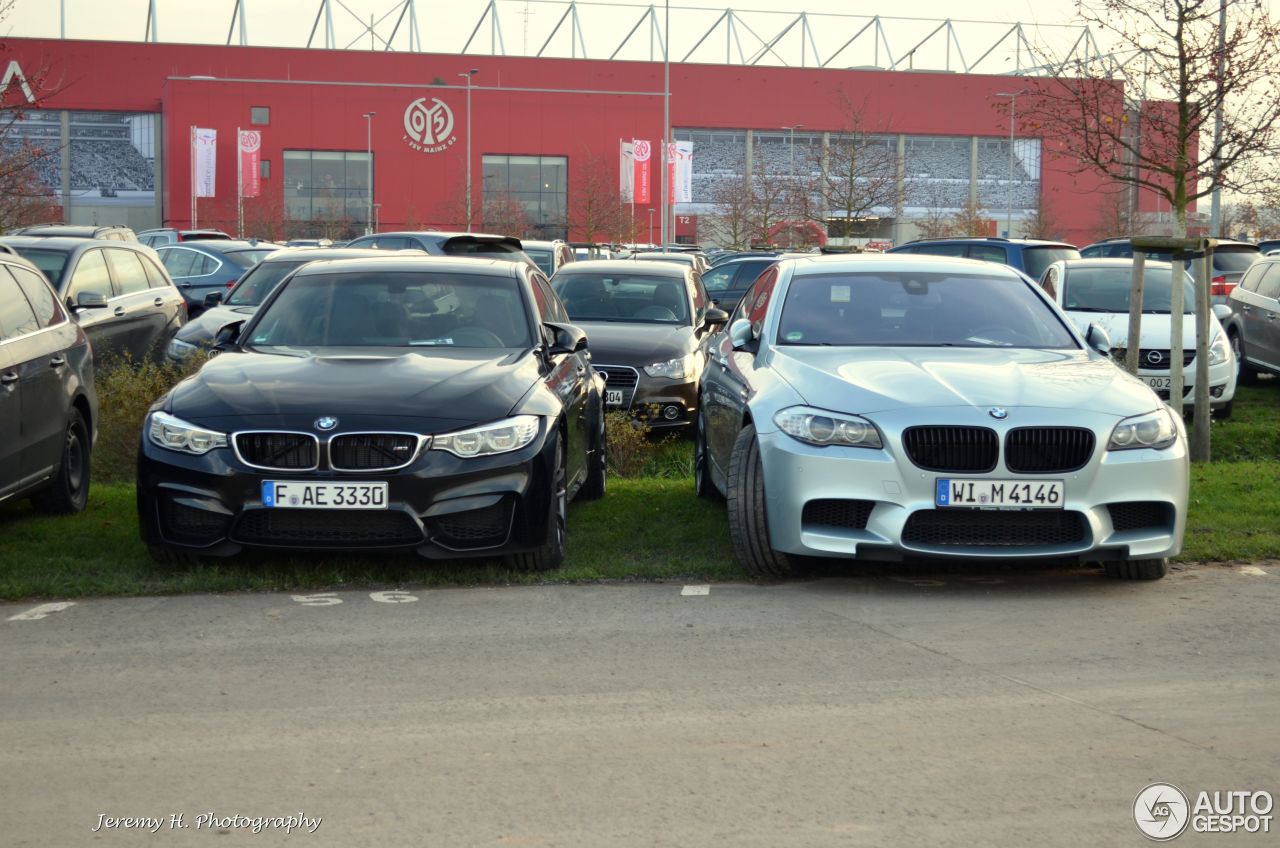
(671,412)
(1216,391)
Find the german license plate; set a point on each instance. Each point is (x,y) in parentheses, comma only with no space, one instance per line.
(308,494)
(1159,382)
(1006,494)
(613,397)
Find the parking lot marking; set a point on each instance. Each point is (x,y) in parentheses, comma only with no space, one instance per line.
(1253,571)
(696,590)
(395,596)
(36,613)
(323,599)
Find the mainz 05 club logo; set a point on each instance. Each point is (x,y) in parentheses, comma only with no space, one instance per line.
(428,125)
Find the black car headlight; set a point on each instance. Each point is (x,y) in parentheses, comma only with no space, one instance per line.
(1153,430)
(171,432)
(504,436)
(819,427)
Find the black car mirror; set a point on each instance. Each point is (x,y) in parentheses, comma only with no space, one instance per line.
(715,317)
(212,299)
(1097,338)
(740,334)
(228,337)
(566,338)
(91,300)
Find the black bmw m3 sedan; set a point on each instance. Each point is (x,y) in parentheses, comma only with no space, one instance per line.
(435,404)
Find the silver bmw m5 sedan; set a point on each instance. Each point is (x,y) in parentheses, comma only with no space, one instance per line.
(893,407)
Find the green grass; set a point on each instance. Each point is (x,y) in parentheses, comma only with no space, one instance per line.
(649,527)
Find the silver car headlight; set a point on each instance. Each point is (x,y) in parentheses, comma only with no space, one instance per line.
(504,436)
(674,369)
(819,427)
(169,431)
(1219,350)
(1153,430)
(179,349)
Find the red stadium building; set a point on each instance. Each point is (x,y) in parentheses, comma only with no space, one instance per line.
(543,137)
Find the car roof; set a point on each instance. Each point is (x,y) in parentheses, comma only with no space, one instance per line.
(1109,262)
(222,245)
(404,261)
(320,254)
(69,244)
(1222,242)
(870,262)
(1024,242)
(613,266)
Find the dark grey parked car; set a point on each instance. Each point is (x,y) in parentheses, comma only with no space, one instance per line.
(118,291)
(48,410)
(200,268)
(475,245)
(1254,324)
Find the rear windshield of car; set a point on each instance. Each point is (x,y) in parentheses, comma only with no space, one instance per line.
(392,310)
(914,309)
(1107,290)
(1036,259)
(622,297)
(542,257)
(254,287)
(1235,259)
(51,262)
(490,249)
(249,258)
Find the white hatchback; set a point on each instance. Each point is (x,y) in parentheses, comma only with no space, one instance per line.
(1096,291)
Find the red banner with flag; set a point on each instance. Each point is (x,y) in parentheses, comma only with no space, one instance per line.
(250,167)
(643,154)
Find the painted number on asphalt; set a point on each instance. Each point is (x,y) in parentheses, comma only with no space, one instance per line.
(393,597)
(324,599)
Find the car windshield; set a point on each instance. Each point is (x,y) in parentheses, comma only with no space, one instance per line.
(254,287)
(1235,260)
(542,257)
(638,298)
(918,309)
(1036,259)
(51,262)
(1107,290)
(397,309)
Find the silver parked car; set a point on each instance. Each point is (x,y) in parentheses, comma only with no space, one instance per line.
(889,407)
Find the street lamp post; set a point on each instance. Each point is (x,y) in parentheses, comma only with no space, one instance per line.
(368,218)
(791,145)
(468,76)
(650,226)
(1013,117)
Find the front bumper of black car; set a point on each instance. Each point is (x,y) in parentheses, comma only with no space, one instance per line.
(440,505)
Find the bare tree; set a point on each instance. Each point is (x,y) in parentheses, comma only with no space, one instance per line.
(971,220)
(854,176)
(1168,148)
(503,214)
(596,202)
(733,203)
(772,203)
(1041,225)
(1115,214)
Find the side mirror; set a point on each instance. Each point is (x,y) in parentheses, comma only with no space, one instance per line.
(1097,338)
(91,300)
(566,338)
(212,299)
(228,337)
(715,317)
(1222,311)
(740,333)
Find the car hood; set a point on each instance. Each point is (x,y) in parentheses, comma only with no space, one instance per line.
(203,329)
(867,380)
(423,392)
(1157,330)
(616,343)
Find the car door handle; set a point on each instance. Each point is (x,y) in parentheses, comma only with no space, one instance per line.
(6,379)
(159,301)
(119,312)
(58,361)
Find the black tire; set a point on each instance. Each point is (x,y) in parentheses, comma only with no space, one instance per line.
(69,491)
(748,522)
(1244,374)
(1136,569)
(597,483)
(551,553)
(701,473)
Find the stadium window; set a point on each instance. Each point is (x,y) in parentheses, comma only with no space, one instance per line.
(264,168)
(260,115)
(538,183)
(327,185)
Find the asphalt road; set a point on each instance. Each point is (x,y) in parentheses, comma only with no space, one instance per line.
(970,709)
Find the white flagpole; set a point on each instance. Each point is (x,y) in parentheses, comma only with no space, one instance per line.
(239,187)
(193,176)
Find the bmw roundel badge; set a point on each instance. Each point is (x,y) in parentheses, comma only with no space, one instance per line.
(326,422)
(998,412)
